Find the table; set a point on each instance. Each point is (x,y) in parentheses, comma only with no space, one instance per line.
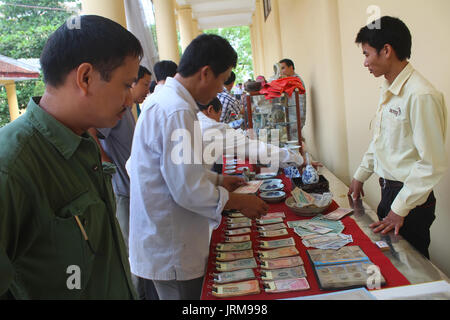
(393,277)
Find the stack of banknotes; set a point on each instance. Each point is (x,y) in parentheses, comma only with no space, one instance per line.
(321,233)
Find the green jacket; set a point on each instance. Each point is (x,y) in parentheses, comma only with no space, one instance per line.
(51,179)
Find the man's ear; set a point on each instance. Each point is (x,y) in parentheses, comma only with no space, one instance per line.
(84,77)
(388,50)
(210,109)
(205,73)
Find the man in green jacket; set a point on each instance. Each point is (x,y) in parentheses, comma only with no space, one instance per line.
(58,229)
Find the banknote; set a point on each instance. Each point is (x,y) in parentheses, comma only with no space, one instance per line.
(235,215)
(277,243)
(239,246)
(238,220)
(249,263)
(338,213)
(250,187)
(233,276)
(269,221)
(237,238)
(278,253)
(302,198)
(272,215)
(273,233)
(239,225)
(333,241)
(284,273)
(236,289)
(269,227)
(317,228)
(238,231)
(286,285)
(234,255)
(279,263)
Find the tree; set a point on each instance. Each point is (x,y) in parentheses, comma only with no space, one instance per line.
(25,26)
(239,38)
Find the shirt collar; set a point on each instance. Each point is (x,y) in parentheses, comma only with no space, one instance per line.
(182,92)
(61,137)
(400,80)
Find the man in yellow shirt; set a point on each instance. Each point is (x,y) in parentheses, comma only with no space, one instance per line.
(408,147)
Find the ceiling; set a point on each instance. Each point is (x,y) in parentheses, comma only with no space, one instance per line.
(220,13)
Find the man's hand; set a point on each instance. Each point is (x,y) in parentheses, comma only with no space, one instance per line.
(232,183)
(250,205)
(356,189)
(391,221)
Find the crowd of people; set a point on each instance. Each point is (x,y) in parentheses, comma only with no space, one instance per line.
(95,204)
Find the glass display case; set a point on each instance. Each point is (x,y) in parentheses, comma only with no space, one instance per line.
(281,113)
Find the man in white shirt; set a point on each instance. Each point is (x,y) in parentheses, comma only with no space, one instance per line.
(162,70)
(173,197)
(408,146)
(216,134)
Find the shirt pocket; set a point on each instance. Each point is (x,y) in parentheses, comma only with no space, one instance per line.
(70,245)
(397,128)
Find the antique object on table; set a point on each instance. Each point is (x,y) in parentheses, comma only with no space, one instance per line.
(264,176)
(309,174)
(345,268)
(274,114)
(304,211)
(252,86)
(320,187)
(272,185)
(272,196)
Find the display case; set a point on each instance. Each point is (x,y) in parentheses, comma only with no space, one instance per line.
(281,113)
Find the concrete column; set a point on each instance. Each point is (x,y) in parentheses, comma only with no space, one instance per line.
(12,100)
(187,34)
(166,30)
(255,59)
(258,23)
(195,28)
(111,9)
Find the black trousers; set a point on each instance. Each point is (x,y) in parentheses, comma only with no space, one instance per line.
(416,227)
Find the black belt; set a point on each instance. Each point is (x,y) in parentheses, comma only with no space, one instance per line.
(390,184)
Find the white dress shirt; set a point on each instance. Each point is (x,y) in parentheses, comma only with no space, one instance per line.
(409,139)
(171,204)
(221,138)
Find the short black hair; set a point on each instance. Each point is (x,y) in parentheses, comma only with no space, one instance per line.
(217,105)
(391,31)
(152,86)
(207,50)
(231,79)
(164,69)
(288,62)
(99,41)
(142,72)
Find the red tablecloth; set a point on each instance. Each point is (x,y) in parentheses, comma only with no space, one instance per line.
(393,277)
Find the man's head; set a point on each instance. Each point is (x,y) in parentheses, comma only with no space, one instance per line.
(95,66)
(230,81)
(164,69)
(141,87)
(206,64)
(212,110)
(390,43)
(287,67)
